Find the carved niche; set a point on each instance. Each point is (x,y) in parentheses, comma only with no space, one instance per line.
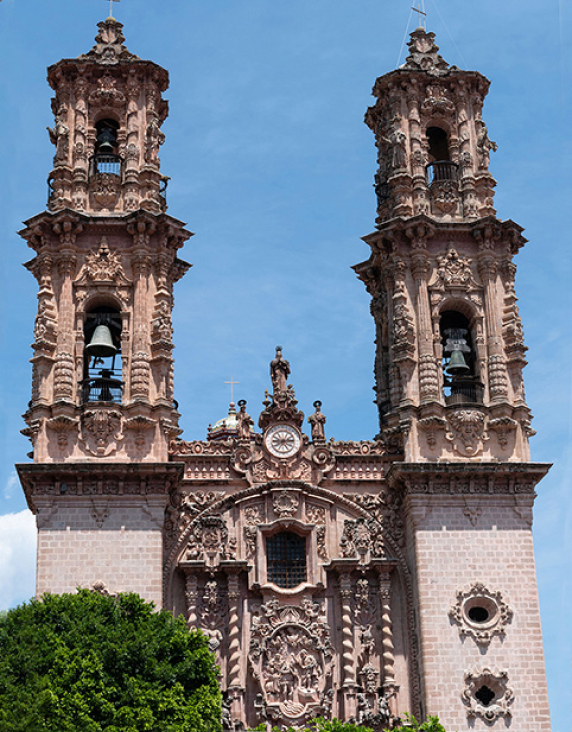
(291,658)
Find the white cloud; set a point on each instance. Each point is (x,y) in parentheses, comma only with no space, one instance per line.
(17,558)
(11,483)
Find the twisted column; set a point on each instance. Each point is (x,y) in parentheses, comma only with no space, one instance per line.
(388,650)
(234,652)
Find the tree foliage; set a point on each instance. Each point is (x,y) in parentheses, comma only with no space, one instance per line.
(86,662)
(323,725)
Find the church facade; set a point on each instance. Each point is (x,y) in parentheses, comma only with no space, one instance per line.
(357,580)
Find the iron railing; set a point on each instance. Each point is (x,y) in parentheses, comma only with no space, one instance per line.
(105,164)
(442,170)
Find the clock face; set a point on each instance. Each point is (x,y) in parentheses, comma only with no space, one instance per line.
(282,440)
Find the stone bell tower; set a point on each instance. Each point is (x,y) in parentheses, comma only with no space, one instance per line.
(102,411)
(450,395)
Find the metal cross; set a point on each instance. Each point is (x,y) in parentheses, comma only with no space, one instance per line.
(111,7)
(420,12)
(232,385)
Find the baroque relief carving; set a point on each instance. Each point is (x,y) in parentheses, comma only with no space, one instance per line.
(291,657)
(467,431)
(101,431)
(285,503)
(209,540)
(480,613)
(487,695)
(362,538)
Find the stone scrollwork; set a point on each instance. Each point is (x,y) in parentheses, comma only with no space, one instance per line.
(285,503)
(480,613)
(487,695)
(291,658)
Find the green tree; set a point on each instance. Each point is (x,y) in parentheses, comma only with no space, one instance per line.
(86,662)
(323,725)
(431,724)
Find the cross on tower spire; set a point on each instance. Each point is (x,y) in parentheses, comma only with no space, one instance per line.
(420,10)
(111,7)
(232,385)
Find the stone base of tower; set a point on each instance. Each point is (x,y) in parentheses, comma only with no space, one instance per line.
(471,553)
(106,521)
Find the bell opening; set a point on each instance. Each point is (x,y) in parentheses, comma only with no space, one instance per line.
(460,383)
(102,357)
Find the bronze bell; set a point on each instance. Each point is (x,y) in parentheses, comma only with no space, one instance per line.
(101,343)
(457,365)
(106,141)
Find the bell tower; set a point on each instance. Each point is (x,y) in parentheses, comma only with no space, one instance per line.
(102,412)
(449,390)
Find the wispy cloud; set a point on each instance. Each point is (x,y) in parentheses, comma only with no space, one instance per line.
(11,483)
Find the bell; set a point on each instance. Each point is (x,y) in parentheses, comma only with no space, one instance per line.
(457,365)
(101,343)
(106,141)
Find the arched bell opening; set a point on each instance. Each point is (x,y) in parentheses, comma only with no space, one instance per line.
(102,368)
(440,166)
(460,381)
(106,159)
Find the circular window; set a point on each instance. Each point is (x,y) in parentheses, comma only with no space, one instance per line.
(480,611)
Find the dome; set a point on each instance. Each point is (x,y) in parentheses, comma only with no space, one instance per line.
(225,427)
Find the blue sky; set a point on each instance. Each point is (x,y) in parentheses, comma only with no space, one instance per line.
(272,167)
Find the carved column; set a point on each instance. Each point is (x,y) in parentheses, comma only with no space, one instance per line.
(191,596)
(498,382)
(388,651)
(348,675)
(140,371)
(235,691)
(64,374)
(428,374)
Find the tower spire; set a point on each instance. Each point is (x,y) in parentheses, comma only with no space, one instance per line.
(420,10)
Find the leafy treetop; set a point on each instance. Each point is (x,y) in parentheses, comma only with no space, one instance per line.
(86,662)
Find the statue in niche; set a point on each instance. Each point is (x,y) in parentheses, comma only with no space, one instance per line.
(279,371)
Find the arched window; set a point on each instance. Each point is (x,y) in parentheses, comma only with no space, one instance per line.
(286,559)
(102,356)
(440,166)
(106,158)
(459,359)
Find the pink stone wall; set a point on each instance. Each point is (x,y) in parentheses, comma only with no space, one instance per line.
(125,553)
(455,547)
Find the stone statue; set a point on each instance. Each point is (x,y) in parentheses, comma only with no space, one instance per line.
(317,421)
(244,421)
(279,371)
(484,146)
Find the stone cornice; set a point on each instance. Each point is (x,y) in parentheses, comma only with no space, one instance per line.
(467,478)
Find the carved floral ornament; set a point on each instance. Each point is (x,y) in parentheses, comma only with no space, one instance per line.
(480,613)
(101,431)
(209,540)
(487,695)
(291,657)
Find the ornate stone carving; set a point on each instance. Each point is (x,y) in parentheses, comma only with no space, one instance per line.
(212,614)
(291,657)
(63,426)
(445,196)
(362,538)
(385,508)
(467,431)
(423,54)
(99,514)
(431,426)
(454,270)
(480,613)
(317,422)
(209,540)
(101,431)
(487,695)
(285,503)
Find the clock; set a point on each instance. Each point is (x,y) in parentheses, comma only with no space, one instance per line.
(282,441)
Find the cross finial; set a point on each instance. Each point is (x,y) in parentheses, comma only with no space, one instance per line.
(420,10)
(111,7)
(232,385)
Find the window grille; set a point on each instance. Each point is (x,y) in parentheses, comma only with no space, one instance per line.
(286,559)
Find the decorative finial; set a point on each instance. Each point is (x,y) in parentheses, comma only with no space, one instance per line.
(420,10)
